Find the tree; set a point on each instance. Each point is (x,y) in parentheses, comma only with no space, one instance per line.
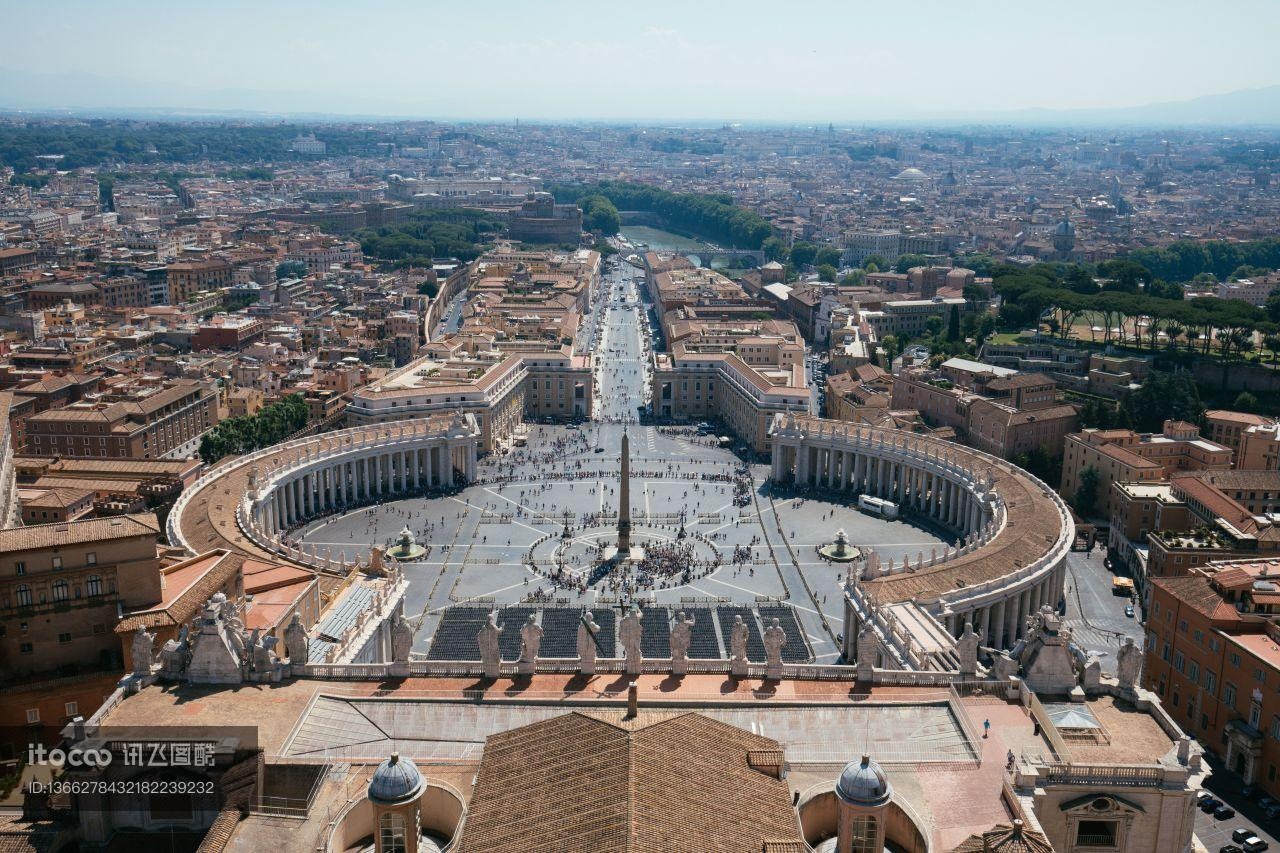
(828,256)
(803,254)
(1273,305)
(906,262)
(953,324)
(774,249)
(875,263)
(1245,402)
(891,347)
(853,277)
(826,272)
(1085,499)
(933,326)
(290,269)
(1163,396)
(599,214)
(1125,275)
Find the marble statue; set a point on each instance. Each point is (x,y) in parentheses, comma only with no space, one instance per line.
(1128,663)
(587,630)
(401,638)
(629,633)
(487,640)
(296,642)
(738,634)
(681,638)
(967,648)
(868,649)
(1003,665)
(530,643)
(774,639)
(140,652)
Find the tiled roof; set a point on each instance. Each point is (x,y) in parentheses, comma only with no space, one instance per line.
(655,784)
(179,610)
(76,532)
(1197,593)
(1006,838)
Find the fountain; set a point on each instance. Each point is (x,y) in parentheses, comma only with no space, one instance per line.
(404,548)
(840,551)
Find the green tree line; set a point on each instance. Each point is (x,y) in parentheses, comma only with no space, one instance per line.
(429,234)
(273,424)
(712,216)
(1186,259)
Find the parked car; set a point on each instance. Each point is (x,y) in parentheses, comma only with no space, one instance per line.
(1208,804)
(1128,610)
(1229,848)
(1241,833)
(1267,802)
(1224,813)
(1272,811)
(1254,845)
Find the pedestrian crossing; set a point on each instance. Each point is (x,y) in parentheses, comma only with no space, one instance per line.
(1090,638)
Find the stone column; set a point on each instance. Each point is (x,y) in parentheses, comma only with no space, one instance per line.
(1014,620)
(417,470)
(996,640)
(448,466)
(986,624)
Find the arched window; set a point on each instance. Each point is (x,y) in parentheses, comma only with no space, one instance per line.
(391,833)
(24,595)
(60,590)
(93,586)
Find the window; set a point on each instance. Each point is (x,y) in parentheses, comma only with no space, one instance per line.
(93,586)
(1193,672)
(1229,694)
(60,590)
(1259,676)
(1210,681)
(19,568)
(1234,658)
(23,595)
(1177,661)
(64,637)
(57,562)
(91,558)
(1096,833)
(391,830)
(33,716)
(72,708)
(26,648)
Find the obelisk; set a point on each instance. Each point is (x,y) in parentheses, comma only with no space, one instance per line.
(624,500)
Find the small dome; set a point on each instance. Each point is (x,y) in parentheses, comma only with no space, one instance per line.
(863,783)
(395,781)
(911,174)
(1065,228)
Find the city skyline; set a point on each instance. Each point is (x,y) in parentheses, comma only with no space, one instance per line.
(862,63)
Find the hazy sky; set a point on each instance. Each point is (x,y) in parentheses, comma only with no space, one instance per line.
(747,59)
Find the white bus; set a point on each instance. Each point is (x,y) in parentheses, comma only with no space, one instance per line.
(878,507)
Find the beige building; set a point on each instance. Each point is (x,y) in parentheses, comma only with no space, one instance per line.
(63,586)
(1121,455)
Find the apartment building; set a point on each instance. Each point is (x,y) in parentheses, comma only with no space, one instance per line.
(136,422)
(1121,455)
(62,587)
(1213,657)
(994,409)
(187,278)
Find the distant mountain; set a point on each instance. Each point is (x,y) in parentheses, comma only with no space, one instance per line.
(1242,107)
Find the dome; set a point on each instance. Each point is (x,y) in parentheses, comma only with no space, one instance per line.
(863,783)
(911,174)
(395,781)
(1065,228)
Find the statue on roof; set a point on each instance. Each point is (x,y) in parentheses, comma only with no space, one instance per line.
(140,651)
(487,640)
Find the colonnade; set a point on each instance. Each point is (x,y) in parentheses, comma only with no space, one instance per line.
(955,486)
(925,485)
(361,476)
(1003,622)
